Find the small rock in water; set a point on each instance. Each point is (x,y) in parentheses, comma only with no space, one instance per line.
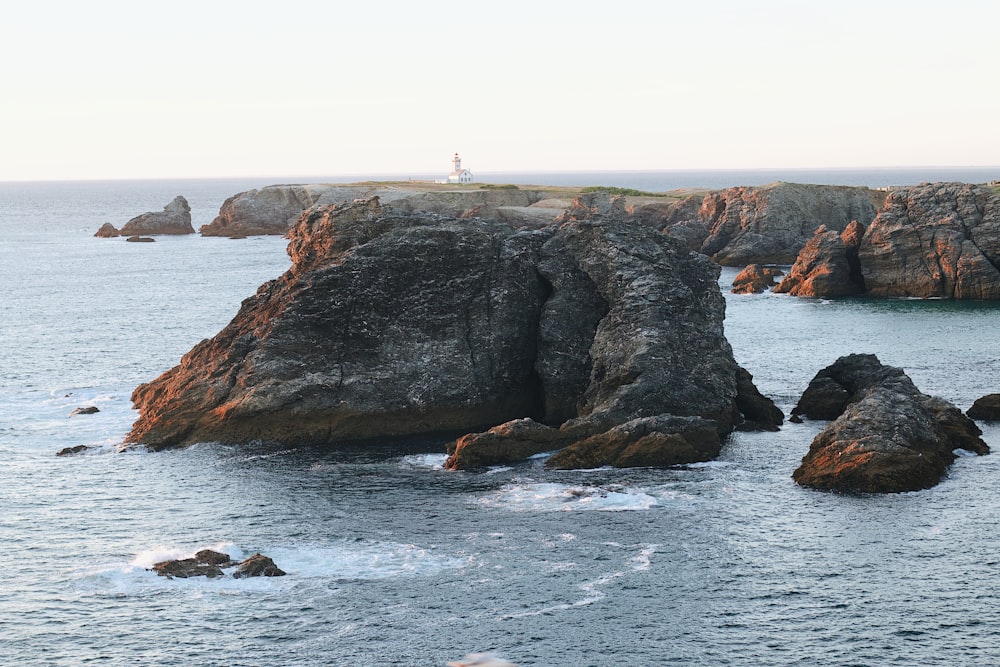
(89,410)
(986,408)
(258,566)
(140,239)
(71,451)
(187,567)
(214,558)
(209,563)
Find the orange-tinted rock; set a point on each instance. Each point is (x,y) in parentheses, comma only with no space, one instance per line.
(754,279)
(107,231)
(824,267)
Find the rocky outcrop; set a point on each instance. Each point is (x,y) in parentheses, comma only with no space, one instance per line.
(768,224)
(275,208)
(211,564)
(258,566)
(754,279)
(938,240)
(107,231)
(391,324)
(985,408)
(827,266)
(175,218)
(886,436)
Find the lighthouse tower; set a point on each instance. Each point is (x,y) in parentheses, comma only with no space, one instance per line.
(459,175)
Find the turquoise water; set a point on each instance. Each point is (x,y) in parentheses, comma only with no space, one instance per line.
(393,560)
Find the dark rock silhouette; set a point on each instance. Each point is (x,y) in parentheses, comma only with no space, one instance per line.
(985,408)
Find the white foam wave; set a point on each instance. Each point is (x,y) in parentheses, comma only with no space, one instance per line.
(551,497)
(594,590)
(432,461)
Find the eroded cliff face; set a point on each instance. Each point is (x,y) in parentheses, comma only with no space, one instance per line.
(397,324)
(768,224)
(934,240)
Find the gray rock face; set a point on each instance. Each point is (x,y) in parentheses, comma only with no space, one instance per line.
(769,224)
(886,436)
(275,208)
(934,240)
(392,324)
(175,218)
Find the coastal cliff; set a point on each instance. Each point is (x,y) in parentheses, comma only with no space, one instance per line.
(275,208)
(935,240)
(396,324)
(763,225)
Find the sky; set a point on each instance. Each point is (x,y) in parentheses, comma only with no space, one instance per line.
(108,89)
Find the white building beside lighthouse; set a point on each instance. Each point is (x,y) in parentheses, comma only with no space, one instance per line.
(459,175)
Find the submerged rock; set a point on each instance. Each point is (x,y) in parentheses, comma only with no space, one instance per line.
(140,239)
(86,410)
(175,218)
(72,451)
(986,408)
(886,436)
(391,324)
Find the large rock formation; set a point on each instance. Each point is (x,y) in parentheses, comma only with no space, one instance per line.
(827,267)
(392,324)
(175,218)
(768,224)
(934,240)
(275,208)
(886,436)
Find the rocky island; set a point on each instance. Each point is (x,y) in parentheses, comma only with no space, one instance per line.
(885,435)
(175,218)
(392,324)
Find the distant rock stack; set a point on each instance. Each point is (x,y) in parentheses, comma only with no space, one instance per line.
(174,219)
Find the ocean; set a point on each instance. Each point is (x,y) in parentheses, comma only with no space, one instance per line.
(393,560)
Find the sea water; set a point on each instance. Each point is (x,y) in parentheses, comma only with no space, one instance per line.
(393,560)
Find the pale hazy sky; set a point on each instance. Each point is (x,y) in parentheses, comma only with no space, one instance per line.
(108,89)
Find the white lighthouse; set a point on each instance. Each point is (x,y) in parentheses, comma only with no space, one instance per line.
(459,175)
